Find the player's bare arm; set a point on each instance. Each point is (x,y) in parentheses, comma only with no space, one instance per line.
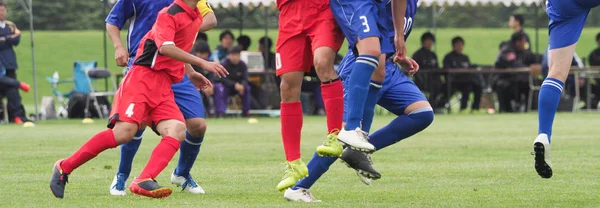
(172,51)
(398,13)
(121,54)
(209,21)
(199,80)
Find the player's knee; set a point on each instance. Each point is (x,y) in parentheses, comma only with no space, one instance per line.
(124,132)
(173,129)
(324,68)
(290,91)
(423,116)
(196,127)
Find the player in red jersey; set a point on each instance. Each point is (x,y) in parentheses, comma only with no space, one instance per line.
(146,96)
(308,35)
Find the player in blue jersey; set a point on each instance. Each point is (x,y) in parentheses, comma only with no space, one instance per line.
(397,93)
(567,18)
(142,15)
(359,20)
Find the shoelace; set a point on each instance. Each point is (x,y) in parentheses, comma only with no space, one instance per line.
(363,135)
(189,181)
(120,185)
(288,170)
(308,194)
(64,177)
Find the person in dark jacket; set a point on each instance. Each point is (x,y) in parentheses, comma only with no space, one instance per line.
(226,38)
(10,36)
(264,47)
(244,42)
(466,83)
(516,22)
(235,83)
(9,88)
(430,82)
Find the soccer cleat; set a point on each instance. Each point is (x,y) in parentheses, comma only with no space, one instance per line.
(363,179)
(58,181)
(149,188)
(24,86)
(361,162)
(356,139)
(299,195)
(331,147)
(541,150)
(186,184)
(294,171)
(117,187)
(18,120)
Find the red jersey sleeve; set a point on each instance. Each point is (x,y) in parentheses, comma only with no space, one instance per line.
(165,28)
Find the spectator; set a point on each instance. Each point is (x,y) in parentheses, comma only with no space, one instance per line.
(312,85)
(235,83)
(9,88)
(430,82)
(202,37)
(10,36)
(226,39)
(244,42)
(516,23)
(512,87)
(264,46)
(465,83)
(202,50)
(595,54)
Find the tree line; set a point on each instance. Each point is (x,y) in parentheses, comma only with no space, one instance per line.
(89,15)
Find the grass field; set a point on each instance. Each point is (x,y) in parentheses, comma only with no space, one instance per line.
(460,161)
(56,51)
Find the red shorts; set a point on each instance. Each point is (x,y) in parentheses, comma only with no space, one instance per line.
(304,26)
(145,95)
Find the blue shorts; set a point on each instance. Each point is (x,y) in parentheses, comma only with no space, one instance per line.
(397,93)
(187,97)
(359,19)
(567,18)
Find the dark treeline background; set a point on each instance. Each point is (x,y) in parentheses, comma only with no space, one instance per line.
(85,15)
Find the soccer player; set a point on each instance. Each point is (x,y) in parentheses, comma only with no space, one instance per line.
(146,96)
(363,33)
(308,35)
(567,18)
(142,15)
(397,93)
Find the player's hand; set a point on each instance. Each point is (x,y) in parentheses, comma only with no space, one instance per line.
(408,64)
(400,45)
(239,88)
(200,81)
(209,91)
(214,68)
(121,56)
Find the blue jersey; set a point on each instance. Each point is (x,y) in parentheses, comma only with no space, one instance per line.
(388,23)
(567,18)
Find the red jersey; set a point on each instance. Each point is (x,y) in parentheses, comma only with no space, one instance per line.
(319,4)
(176,25)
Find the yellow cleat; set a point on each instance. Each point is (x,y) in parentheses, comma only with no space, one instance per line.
(331,147)
(294,171)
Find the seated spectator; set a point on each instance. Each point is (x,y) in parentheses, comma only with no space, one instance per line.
(202,37)
(9,88)
(264,46)
(312,85)
(595,61)
(466,83)
(429,82)
(202,50)
(226,39)
(516,22)
(235,83)
(244,42)
(513,87)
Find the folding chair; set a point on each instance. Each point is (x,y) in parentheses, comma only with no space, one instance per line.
(85,73)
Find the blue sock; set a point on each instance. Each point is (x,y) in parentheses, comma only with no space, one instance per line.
(547,104)
(370,103)
(402,127)
(128,151)
(358,88)
(317,166)
(188,151)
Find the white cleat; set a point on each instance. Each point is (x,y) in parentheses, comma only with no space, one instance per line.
(365,180)
(541,151)
(357,139)
(187,184)
(299,195)
(117,187)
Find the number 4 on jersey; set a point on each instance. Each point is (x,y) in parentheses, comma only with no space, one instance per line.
(129,111)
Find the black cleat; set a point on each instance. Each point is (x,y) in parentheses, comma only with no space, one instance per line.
(541,151)
(361,162)
(58,180)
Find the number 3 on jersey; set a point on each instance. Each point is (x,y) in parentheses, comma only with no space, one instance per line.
(365,23)
(129,111)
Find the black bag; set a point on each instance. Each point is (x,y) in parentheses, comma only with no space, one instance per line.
(76,106)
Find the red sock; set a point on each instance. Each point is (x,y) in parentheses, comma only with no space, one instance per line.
(97,144)
(291,128)
(161,155)
(333,97)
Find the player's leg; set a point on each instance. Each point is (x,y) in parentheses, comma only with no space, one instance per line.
(128,151)
(566,23)
(189,101)
(292,60)
(375,86)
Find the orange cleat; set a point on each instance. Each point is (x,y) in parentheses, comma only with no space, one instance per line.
(18,120)
(149,188)
(24,86)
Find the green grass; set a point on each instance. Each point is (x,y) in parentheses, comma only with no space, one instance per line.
(460,161)
(56,50)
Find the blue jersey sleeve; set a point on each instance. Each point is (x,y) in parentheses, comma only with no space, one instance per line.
(120,13)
